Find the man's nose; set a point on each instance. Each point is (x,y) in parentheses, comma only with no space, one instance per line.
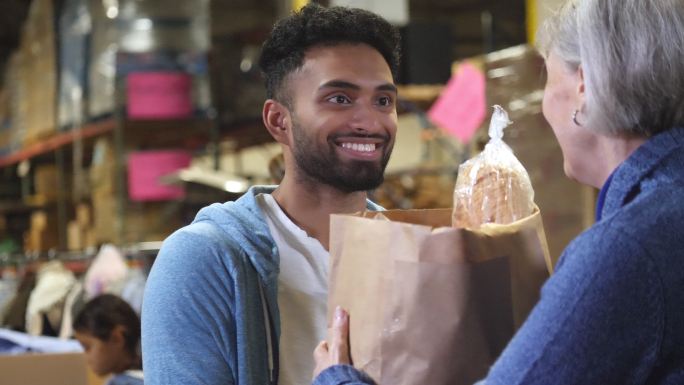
(366,119)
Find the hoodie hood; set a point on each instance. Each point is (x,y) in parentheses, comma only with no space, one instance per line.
(243,221)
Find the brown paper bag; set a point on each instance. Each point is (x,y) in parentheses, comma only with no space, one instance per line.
(428,303)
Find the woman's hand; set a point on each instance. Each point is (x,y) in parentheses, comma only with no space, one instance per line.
(337,352)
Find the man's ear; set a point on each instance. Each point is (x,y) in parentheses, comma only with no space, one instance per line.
(277,120)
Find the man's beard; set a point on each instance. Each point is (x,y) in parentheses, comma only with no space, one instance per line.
(322,164)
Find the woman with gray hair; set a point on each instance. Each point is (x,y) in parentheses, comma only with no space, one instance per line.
(613,313)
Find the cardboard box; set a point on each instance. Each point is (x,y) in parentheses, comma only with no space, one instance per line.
(44,369)
(102,169)
(80,231)
(75,236)
(5,122)
(38,46)
(142,222)
(150,221)
(83,215)
(146,168)
(46,182)
(74,36)
(16,93)
(43,234)
(104,216)
(89,238)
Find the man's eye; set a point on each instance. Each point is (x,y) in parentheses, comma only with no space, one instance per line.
(339,99)
(385,101)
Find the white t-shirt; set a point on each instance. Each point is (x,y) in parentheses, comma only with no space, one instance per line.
(302,293)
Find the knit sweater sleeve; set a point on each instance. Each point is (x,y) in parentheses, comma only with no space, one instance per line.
(187,325)
(343,375)
(600,319)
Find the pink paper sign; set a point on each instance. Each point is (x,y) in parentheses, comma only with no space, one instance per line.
(462,107)
(159,95)
(146,167)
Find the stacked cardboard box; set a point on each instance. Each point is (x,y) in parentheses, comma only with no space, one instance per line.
(136,222)
(46,183)
(101,61)
(103,197)
(42,234)
(81,231)
(38,72)
(16,93)
(74,34)
(146,36)
(5,123)
(141,222)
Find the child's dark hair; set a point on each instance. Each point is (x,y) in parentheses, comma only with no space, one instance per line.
(103,313)
(314,25)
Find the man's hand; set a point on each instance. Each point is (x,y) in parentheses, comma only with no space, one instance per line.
(337,352)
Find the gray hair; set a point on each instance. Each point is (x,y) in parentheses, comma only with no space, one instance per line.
(632,56)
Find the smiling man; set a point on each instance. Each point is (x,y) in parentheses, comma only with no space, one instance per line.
(239,296)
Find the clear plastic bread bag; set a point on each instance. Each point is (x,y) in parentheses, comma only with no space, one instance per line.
(492,187)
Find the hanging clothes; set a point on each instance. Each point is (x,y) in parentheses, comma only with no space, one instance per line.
(107,273)
(47,299)
(134,288)
(15,315)
(73,303)
(9,284)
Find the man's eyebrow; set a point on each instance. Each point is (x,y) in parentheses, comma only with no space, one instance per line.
(344,84)
(388,87)
(339,84)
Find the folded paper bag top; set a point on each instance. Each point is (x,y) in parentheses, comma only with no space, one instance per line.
(488,241)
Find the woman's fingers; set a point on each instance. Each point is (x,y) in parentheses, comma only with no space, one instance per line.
(337,351)
(322,358)
(339,348)
(321,351)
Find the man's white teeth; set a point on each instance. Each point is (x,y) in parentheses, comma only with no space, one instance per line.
(359,147)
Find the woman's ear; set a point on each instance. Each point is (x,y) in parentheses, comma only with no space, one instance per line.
(277,120)
(580,87)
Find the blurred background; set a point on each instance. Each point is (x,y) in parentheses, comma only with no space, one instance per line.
(119,119)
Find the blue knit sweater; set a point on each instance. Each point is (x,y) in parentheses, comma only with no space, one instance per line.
(613,313)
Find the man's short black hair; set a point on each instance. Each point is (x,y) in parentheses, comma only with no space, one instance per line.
(314,25)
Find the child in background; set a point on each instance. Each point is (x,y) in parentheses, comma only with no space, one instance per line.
(109,330)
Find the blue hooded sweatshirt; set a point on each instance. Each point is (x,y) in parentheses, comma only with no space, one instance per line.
(210,312)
